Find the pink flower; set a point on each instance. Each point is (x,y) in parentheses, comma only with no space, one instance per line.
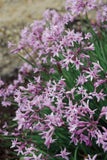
(30,150)
(11,44)
(71,92)
(97,66)
(48,136)
(89,157)
(27,158)
(81,80)
(99,82)
(92,73)
(104,112)
(5,125)
(1,83)
(2,92)
(68,18)
(24,33)
(15,143)
(81,90)
(20,150)
(55,120)
(6,103)
(88,36)
(37,157)
(63,154)
(5,133)
(99,95)
(102,138)
(20,118)
(91,47)
(77,63)
(67,59)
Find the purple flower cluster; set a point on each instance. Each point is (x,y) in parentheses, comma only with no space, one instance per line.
(62,89)
(80,6)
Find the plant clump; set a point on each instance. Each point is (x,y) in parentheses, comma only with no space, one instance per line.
(61,89)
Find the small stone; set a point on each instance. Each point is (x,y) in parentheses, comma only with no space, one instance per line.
(8,32)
